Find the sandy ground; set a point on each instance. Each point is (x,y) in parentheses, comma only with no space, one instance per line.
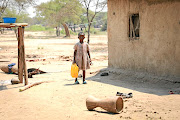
(60,99)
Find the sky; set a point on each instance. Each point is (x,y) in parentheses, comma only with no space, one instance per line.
(31,10)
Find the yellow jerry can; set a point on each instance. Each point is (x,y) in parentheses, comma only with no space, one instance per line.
(74,70)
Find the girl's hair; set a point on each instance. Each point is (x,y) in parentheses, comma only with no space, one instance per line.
(81,33)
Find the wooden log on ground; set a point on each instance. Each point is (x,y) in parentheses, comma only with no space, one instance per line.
(6,69)
(31,85)
(15,81)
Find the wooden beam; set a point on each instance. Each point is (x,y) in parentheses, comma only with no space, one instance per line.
(20,62)
(9,25)
(23,58)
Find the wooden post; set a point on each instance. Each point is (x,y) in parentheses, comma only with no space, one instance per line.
(22,70)
(20,62)
(23,58)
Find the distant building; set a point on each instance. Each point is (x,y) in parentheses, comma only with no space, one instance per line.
(144,35)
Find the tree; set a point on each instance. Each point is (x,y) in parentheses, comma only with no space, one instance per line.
(18,5)
(104,27)
(21,17)
(88,4)
(58,12)
(100,19)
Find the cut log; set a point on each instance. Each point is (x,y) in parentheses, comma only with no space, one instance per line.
(15,81)
(6,69)
(31,85)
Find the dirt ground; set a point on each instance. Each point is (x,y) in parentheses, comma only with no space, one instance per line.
(60,99)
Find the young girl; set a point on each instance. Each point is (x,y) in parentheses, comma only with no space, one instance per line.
(82,56)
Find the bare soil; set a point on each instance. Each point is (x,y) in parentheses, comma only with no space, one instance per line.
(60,99)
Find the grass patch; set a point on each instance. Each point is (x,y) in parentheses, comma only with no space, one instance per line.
(38,28)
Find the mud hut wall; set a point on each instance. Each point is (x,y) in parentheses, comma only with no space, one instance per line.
(158,49)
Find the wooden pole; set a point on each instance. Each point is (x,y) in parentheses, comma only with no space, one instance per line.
(22,70)
(20,63)
(24,58)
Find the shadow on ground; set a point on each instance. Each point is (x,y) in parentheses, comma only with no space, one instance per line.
(141,83)
(105,112)
(5,87)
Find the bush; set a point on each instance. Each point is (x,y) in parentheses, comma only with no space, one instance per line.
(71,32)
(104,27)
(38,28)
(93,30)
(62,31)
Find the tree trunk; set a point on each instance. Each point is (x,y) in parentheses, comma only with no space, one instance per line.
(74,28)
(66,30)
(89,28)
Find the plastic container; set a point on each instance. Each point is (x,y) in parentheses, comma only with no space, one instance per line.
(74,70)
(9,20)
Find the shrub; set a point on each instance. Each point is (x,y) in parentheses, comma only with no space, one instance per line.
(38,28)
(104,27)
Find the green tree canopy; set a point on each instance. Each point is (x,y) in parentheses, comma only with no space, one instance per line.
(21,17)
(98,6)
(56,12)
(15,5)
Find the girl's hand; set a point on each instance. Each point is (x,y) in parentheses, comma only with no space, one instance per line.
(91,62)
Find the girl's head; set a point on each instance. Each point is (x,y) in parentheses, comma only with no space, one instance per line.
(81,36)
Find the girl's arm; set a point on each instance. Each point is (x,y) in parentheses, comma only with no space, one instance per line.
(75,51)
(89,56)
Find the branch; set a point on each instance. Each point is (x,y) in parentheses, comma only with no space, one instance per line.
(31,85)
(89,3)
(93,17)
(85,4)
(102,7)
(97,6)
(98,11)
(3,7)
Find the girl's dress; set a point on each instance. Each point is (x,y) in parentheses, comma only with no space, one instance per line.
(82,58)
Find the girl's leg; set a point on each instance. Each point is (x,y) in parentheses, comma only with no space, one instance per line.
(76,78)
(76,81)
(84,75)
